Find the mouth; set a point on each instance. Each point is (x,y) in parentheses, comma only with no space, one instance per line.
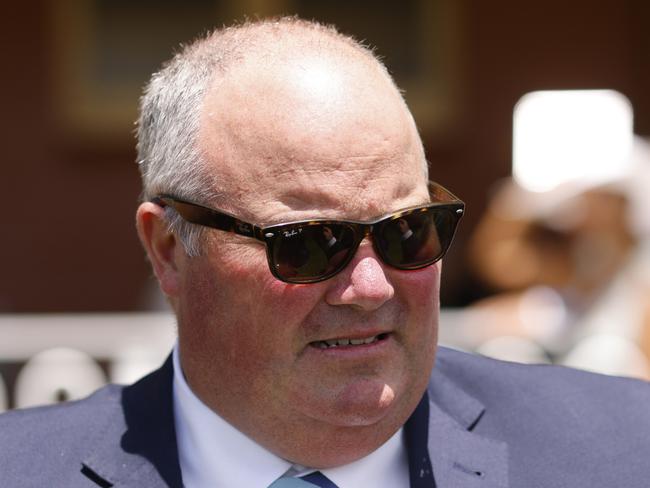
(348,342)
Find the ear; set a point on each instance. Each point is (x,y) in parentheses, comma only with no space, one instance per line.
(161,245)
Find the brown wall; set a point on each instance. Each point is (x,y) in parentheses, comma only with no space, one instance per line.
(512,47)
(67,239)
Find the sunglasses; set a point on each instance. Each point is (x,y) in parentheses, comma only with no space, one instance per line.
(309,251)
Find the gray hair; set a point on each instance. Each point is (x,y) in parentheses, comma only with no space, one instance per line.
(169,158)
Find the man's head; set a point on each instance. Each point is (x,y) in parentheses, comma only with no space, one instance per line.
(275,122)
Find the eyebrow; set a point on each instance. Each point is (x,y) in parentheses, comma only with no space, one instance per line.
(250,227)
(324,198)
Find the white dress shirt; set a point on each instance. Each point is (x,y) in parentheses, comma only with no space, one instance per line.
(214,454)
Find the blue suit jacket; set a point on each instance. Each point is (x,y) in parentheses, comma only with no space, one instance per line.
(488,424)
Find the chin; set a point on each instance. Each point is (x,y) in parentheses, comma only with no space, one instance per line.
(350,423)
(361,404)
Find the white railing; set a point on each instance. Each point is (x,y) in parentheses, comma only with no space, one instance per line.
(53,357)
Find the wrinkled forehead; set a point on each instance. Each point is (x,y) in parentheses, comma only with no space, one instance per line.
(310,132)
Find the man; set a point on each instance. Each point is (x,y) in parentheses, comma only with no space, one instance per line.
(315,371)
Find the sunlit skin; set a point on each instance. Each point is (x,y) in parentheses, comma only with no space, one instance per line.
(311,137)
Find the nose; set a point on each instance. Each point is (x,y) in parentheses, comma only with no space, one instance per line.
(363,284)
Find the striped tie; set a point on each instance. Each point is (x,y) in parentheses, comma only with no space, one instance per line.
(309,481)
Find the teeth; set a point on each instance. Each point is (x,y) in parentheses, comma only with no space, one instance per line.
(346,342)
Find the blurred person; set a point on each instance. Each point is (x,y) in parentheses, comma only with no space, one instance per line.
(255,143)
(569,264)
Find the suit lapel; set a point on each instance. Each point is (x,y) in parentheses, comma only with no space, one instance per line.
(459,457)
(138,445)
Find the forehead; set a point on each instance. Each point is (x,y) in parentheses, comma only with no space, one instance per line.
(311,136)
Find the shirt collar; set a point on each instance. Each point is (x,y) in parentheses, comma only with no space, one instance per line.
(214,453)
(211,451)
(385,467)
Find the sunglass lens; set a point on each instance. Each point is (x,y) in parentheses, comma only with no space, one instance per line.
(311,252)
(415,239)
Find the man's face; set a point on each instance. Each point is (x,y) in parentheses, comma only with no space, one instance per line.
(308,141)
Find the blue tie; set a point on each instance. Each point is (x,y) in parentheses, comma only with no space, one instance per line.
(313,479)
(319,479)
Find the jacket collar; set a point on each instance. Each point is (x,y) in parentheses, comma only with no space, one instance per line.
(460,457)
(149,455)
(143,427)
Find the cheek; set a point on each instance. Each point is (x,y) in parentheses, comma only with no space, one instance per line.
(421,289)
(242,309)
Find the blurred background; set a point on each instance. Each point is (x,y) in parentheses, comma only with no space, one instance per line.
(550,266)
